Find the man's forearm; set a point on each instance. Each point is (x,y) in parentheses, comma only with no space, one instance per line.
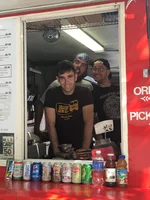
(87,135)
(39,107)
(53,138)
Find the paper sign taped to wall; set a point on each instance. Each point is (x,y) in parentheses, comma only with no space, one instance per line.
(6,146)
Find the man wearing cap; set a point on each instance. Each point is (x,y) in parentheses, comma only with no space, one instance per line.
(80,64)
(69,111)
(106,98)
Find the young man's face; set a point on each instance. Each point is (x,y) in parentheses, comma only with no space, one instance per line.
(67,82)
(80,67)
(100,72)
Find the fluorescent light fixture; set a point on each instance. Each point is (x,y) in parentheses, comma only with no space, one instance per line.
(84,39)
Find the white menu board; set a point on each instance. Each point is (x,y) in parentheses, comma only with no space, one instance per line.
(8,74)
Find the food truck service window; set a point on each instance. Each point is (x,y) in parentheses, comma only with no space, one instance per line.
(43,40)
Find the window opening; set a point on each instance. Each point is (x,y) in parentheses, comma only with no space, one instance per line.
(47,44)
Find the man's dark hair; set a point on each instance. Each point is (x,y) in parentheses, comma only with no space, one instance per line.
(65,66)
(104,62)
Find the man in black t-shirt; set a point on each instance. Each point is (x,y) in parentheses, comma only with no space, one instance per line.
(81,63)
(69,111)
(106,98)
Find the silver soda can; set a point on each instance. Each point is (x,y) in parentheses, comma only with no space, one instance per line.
(27,171)
(46,171)
(18,170)
(66,173)
(76,173)
(56,175)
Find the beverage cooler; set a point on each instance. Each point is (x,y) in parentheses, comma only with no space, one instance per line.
(19,143)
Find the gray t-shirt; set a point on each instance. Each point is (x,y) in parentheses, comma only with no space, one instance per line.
(54,84)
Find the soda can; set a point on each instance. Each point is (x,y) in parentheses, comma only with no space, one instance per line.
(46,171)
(66,173)
(36,171)
(27,171)
(86,174)
(18,170)
(56,175)
(76,173)
(9,169)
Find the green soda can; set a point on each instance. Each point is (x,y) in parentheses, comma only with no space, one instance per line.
(86,174)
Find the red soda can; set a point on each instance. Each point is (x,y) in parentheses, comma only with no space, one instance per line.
(66,173)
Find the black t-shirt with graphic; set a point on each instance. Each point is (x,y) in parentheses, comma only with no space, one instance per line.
(69,116)
(107,105)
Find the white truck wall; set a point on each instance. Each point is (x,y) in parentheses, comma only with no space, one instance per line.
(14,6)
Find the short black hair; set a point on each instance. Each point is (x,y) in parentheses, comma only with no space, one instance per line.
(104,62)
(65,66)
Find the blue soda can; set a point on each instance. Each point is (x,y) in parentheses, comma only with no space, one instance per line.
(36,171)
(27,170)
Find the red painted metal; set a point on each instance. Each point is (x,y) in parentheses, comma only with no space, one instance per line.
(33,190)
(137,59)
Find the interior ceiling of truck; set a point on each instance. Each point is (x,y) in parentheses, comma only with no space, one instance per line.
(103,28)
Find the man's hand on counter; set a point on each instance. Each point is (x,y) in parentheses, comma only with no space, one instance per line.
(83,154)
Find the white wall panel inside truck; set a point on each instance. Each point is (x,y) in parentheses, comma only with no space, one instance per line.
(11,107)
(22,5)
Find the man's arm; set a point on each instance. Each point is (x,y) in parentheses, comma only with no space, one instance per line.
(51,120)
(88,111)
(39,107)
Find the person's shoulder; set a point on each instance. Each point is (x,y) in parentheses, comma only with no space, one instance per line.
(95,88)
(115,87)
(83,81)
(54,90)
(83,94)
(82,89)
(54,84)
(85,84)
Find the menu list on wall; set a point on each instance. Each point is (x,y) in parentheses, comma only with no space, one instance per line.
(8,51)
